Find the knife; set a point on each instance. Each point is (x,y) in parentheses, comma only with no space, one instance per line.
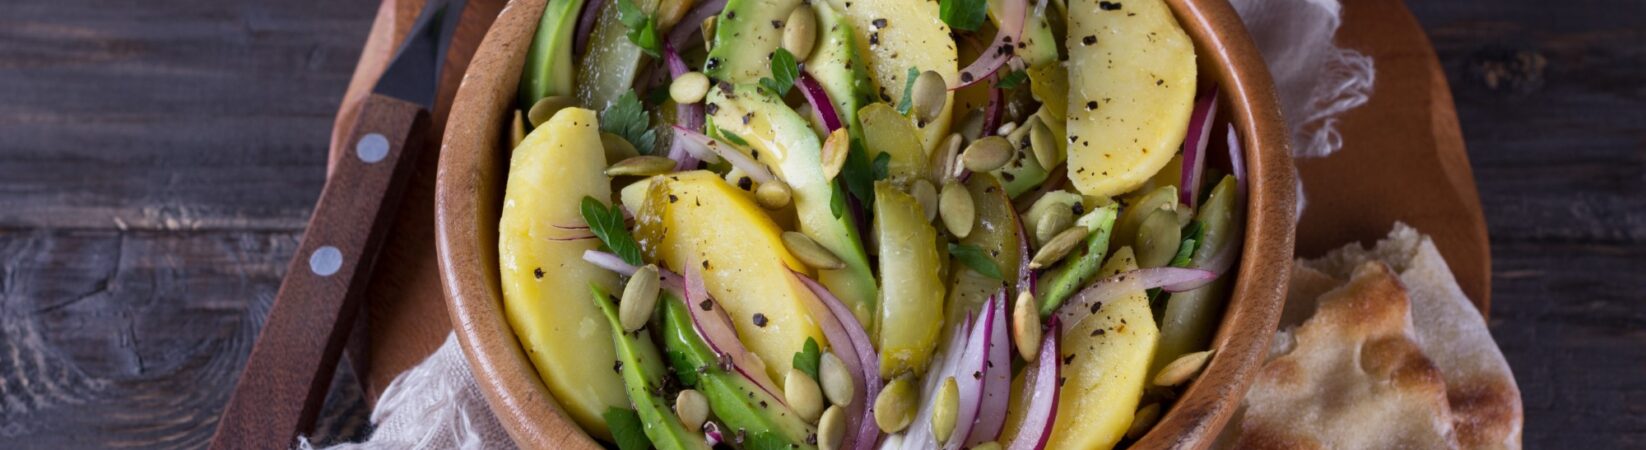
(289,372)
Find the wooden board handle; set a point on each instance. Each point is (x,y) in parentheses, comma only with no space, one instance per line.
(286,378)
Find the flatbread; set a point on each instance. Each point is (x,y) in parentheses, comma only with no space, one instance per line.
(1354,379)
(1481,389)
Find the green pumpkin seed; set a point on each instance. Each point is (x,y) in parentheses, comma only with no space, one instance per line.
(1158,238)
(617,148)
(1026,332)
(831,429)
(944,409)
(517,130)
(1059,246)
(1044,145)
(988,154)
(1182,369)
(1143,421)
(955,206)
(930,94)
(971,126)
(692,407)
(547,107)
(639,298)
(803,395)
(895,407)
(708,32)
(926,195)
(800,32)
(810,252)
(835,149)
(1051,222)
(643,166)
(689,87)
(773,195)
(837,381)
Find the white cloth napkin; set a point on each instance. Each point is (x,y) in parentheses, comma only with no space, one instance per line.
(437,405)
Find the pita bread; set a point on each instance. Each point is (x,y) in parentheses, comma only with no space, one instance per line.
(1481,389)
(1354,379)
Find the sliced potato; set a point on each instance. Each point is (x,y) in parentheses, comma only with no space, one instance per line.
(1108,357)
(896,35)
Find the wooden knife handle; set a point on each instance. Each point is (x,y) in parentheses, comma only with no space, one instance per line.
(290,369)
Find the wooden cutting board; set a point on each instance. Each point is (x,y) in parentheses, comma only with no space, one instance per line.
(1403,159)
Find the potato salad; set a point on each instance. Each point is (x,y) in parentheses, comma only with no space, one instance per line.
(867,224)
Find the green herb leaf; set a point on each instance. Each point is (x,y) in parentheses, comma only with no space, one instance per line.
(964,15)
(677,361)
(657,95)
(1012,80)
(859,174)
(976,259)
(882,166)
(608,225)
(642,27)
(627,118)
(809,358)
(908,92)
(1193,234)
(837,201)
(731,137)
(784,71)
(626,427)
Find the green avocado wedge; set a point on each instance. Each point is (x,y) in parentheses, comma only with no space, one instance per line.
(1078,269)
(1191,316)
(642,369)
(738,403)
(779,138)
(838,67)
(548,68)
(744,39)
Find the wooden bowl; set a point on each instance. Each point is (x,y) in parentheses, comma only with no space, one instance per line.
(469,195)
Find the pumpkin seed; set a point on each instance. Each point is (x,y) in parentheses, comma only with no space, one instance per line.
(810,252)
(930,94)
(955,206)
(547,107)
(1182,369)
(1043,144)
(1019,137)
(689,88)
(773,195)
(803,395)
(1144,420)
(837,381)
(617,148)
(1059,246)
(971,126)
(835,149)
(1026,332)
(517,130)
(944,409)
(708,31)
(692,407)
(800,33)
(926,195)
(895,407)
(1158,238)
(639,298)
(644,166)
(831,429)
(987,154)
(1051,222)
(944,158)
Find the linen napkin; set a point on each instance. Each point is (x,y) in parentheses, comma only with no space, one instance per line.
(437,405)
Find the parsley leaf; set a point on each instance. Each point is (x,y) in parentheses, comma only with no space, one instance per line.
(626,427)
(1012,80)
(1193,234)
(881,166)
(908,92)
(859,174)
(809,358)
(964,15)
(731,137)
(837,201)
(627,118)
(784,71)
(642,27)
(607,224)
(977,259)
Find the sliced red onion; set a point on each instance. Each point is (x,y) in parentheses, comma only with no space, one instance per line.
(994,112)
(573,238)
(1041,380)
(821,105)
(1002,48)
(1094,296)
(711,433)
(691,23)
(715,327)
(919,434)
(971,376)
(849,341)
(605,260)
(1194,146)
(708,149)
(1237,159)
(1220,262)
(997,378)
(585,25)
(687,115)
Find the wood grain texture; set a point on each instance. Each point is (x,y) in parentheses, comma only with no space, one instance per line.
(159,160)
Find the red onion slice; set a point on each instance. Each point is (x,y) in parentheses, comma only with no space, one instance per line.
(821,105)
(1194,146)
(1041,381)
(715,327)
(1237,159)
(585,25)
(692,22)
(612,262)
(971,375)
(1088,300)
(919,434)
(849,341)
(711,433)
(994,112)
(687,115)
(997,378)
(708,149)
(1001,49)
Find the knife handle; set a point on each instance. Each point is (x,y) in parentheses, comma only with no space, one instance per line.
(289,372)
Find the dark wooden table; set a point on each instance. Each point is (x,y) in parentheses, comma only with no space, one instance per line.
(158,161)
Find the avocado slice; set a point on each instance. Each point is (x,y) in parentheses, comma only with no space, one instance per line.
(642,369)
(839,68)
(779,138)
(1080,268)
(1038,46)
(548,68)
(1024,173)
(746,34)
(739,404)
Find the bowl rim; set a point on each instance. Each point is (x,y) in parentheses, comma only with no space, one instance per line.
(465,208)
